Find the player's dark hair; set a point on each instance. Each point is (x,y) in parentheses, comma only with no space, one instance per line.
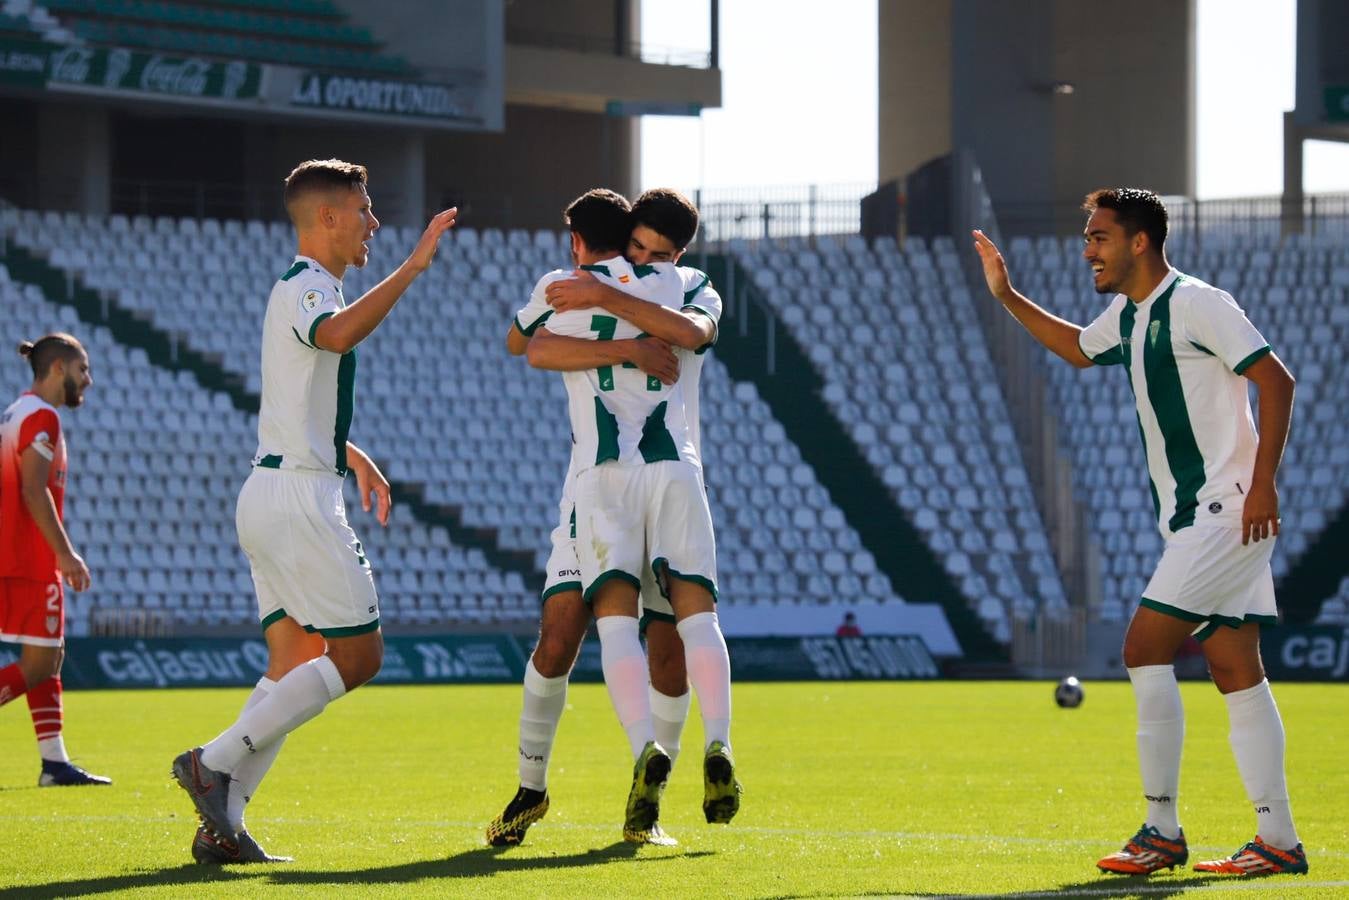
(1137,210)
(321,175)
(602,218)
(668,213)
(48,349)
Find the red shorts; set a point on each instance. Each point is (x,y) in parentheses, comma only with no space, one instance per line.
(32,612)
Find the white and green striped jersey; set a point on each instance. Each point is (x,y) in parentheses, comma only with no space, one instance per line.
(1184,349)
(618,413)
(307,393)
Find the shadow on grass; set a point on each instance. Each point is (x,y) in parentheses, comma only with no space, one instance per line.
(469,864)
(1102,886)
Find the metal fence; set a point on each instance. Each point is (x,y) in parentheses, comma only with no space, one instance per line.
(1319,216)
(778,212)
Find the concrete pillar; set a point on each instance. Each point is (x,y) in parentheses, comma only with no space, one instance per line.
(914,90)
(74,160)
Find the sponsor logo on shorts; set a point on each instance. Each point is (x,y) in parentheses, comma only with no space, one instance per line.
(1215,507)
(565,573)
(371,609)
(248,742)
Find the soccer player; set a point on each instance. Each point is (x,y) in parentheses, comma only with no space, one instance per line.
(36,556)
(1189,353)
(316,595)
(663,225)
(640,501)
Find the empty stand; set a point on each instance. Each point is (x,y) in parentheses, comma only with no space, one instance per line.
(894,336)
(441,405)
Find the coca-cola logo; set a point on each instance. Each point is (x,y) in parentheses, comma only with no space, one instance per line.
(186,76)
(72,64)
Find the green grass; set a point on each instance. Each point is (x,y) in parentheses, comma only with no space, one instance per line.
(930,789)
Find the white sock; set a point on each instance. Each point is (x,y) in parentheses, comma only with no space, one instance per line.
(668,715)
(1161,731)
(545,699)
(299,696)
(709,668)
(625,676)
(53,749)
(1257,741)
(250,772)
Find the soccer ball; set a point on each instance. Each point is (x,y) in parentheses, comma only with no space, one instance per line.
(1068,694)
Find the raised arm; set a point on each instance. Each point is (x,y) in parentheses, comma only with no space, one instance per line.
(561,353)
(1274,384)
(1059,335)
(33,471)
(347,327)
(688,331)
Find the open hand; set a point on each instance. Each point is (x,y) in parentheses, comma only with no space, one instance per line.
(995,267)
(425,250)
(582,291)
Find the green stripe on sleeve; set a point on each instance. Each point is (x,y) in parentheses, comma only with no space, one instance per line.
(529,332)
(693,291)
(1251,360)
(314,327)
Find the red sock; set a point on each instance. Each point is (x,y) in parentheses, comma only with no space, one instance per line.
(44,704)
(12,683)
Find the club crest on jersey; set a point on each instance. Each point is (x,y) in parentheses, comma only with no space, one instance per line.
(311,299)
(623,279)
(1153,330)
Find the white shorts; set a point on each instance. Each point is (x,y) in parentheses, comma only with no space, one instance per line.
(1207,576)
(655,515)
(306,561)
(564,572)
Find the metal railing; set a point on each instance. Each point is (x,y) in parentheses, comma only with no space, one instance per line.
(754,213)
(1319,216)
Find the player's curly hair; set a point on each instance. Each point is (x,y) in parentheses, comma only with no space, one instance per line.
(668,213)
(321,175)
(1137,210)
(49,348)
(602,218)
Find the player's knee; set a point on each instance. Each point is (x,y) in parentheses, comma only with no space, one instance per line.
(40,665)
(555,655)
(1235,675)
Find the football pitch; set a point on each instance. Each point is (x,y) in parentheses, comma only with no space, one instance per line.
(959,789)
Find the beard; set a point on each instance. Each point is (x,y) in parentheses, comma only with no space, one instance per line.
(74,396)
(1113,285)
